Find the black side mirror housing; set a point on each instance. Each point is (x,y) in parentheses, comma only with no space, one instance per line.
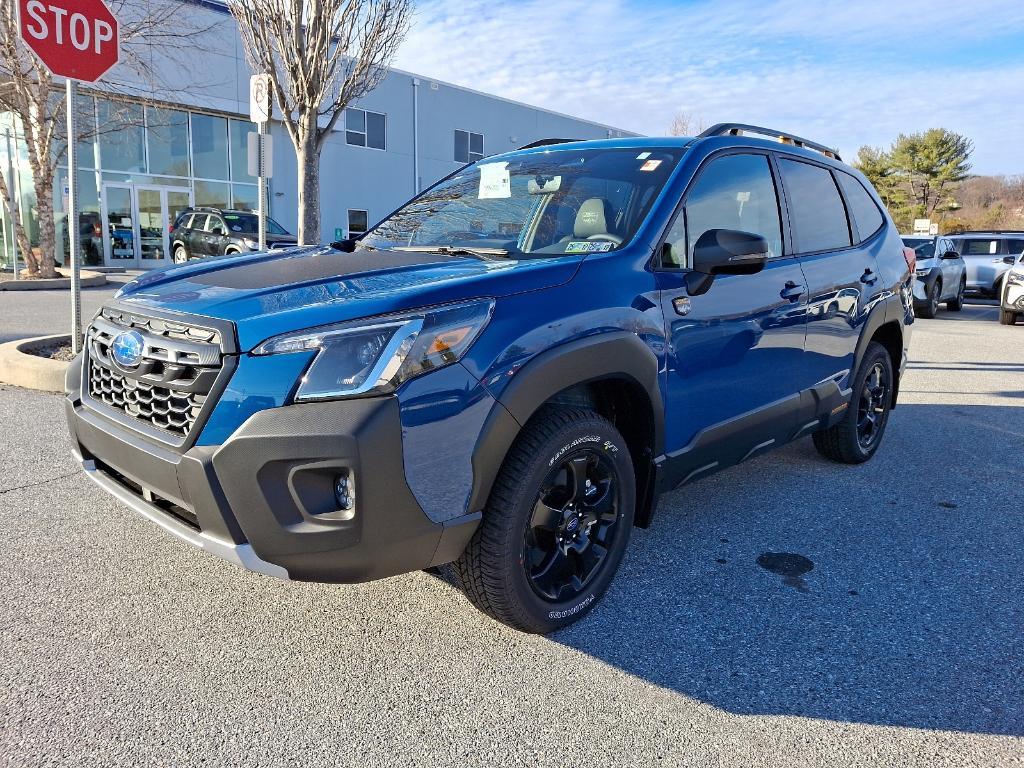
(725,252)
(951,255)
(345,246)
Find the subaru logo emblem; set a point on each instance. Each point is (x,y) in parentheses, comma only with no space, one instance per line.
(126,349)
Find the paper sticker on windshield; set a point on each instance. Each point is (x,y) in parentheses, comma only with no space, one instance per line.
(494,181)
(643,155)
(588,246)
(650,165)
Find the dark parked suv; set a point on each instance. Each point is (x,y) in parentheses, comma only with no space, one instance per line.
(201,232)
(506,372)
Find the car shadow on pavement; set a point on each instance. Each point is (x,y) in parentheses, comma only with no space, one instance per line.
(911,616)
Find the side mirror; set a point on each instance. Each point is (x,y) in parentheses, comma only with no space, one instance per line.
(347,245)
(950,255)
(725,252)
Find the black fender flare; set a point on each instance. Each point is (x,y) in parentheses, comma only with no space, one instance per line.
(611,355)
(929,280)
(886,312)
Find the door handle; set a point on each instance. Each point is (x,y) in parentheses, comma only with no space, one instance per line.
(792,291)
(869,277)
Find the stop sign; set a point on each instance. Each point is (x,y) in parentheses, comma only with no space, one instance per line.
(74,38)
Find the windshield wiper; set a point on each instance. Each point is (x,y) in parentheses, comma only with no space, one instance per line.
(456,250)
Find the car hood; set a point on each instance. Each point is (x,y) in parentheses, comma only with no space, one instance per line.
(266,294)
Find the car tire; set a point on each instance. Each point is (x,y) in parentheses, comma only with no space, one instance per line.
(856,437)
(1007,318)
(231,251)
(180,254)
(957,302)
(930,308)
(531,563)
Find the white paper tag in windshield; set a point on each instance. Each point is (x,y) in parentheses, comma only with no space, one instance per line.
(494,181)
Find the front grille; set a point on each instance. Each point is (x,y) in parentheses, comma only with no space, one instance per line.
(171,383)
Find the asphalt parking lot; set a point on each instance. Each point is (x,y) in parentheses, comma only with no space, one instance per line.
(903,646)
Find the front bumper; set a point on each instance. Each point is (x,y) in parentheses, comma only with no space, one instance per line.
(264,498)
(1013,298)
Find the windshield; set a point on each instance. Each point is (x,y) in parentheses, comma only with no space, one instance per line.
(924,249)
(249,222)
(546,203)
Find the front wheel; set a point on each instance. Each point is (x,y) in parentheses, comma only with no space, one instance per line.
(1007,318)
(180,255)
(556,525)
(930,308)
(857,436)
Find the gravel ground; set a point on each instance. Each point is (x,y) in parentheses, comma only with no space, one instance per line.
(903,646)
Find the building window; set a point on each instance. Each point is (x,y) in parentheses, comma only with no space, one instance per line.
(122,137)
(167,141)
(366,129)
(209,146)
(357,222)
(469,147)
(240,130)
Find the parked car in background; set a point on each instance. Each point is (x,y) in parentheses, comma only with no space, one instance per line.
(508,370)
(941,275)
(1011,300)
(988,256)
(201,232)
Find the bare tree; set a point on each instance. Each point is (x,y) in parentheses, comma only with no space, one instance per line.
(687,124)
(321,55)
(29,91)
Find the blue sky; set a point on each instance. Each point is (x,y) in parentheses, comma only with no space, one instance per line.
(845,74)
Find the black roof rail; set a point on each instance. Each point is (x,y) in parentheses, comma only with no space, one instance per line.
(547,142)
(735,129)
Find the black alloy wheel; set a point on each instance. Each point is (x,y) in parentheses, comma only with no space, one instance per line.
(873,406)
(573,525)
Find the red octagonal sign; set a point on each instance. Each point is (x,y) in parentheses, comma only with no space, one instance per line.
(74,38)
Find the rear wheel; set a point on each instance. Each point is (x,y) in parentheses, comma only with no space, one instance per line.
(957,302)
(1007,318)
(930,308)
(556,525)
(180,254)
(856,438)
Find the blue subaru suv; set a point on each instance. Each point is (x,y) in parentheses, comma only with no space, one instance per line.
(507,371)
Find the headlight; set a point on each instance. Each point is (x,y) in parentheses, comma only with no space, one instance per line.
(252,245)
(924,271)
(376,355)
(1015,278)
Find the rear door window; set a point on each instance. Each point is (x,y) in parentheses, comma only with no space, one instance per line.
(863,211)
(1015,247)
(816,211)
(979,247)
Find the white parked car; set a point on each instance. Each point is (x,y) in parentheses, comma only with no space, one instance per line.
(1011,302)
(941,275)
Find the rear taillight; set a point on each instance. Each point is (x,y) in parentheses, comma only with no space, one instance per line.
(911,258)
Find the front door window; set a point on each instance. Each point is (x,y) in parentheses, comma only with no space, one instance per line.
(153,225)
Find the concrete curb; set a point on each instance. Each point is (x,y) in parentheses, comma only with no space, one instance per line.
(89,280)
(23,369)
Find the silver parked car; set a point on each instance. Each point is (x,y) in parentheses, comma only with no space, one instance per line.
(989,256)
(1011,300)
(941,275)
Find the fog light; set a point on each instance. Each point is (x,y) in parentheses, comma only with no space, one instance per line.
(343,492)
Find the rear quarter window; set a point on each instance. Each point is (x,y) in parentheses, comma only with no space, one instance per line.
(979,247)
(816,210)
(863,211)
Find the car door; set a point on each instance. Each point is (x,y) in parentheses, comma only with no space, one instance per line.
(842,278)
(197,235)
(952,269)
(217,236)
(735,352)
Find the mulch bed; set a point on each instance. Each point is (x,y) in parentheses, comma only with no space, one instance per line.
(60,351)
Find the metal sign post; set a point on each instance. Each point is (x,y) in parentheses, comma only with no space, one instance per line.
(74,235)
(260,106)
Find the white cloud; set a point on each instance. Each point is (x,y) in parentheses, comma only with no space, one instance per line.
(845,74)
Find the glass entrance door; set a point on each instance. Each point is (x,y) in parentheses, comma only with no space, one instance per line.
(138,223)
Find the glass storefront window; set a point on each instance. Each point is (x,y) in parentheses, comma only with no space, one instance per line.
(85,114)
(123,138)
(213,193)
(209,147)
(245,196)
(240,130)
(89,226)
(167,134)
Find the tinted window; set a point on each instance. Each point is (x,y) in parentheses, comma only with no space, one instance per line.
(733,192)
(862,208)
(815,208)
(1014,246)
(984,247)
